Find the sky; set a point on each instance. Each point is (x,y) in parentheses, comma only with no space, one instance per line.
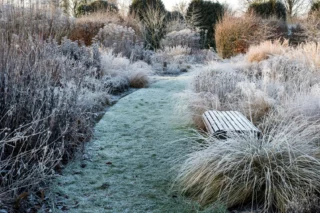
(233,3)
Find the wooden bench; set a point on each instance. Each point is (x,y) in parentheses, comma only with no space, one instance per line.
(220,123)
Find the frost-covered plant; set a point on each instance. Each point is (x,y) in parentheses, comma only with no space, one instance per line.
(88,26)
(198,103)
(279,94)
(49,93)
(118,70)
(138,79)
(306,103)
(35,21)
(266,49)
(172,59)
(308,53)
(251,100)
(293,74)
(154,27)
(120,38)
(177,25)
(185,37)
(221,81)
(113,64)
(267,174)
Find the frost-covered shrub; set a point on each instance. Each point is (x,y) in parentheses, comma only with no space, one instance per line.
(305,103)
(251,100)
(290,72)
(48,96)
(120,38)
(230,89)
(116,84)
(121,74)
(171,59)
(221,81)
(176,25)
(89,59)
(112,64)
(22,23)
(88,26)
(186,37)
(308,53)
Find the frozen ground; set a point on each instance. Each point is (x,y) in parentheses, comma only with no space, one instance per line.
(128,165)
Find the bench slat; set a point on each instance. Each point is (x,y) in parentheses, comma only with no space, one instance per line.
(222,122)
(212,123)
(217,121)
(247,121)
(232,121)
(243,126)
(208,125)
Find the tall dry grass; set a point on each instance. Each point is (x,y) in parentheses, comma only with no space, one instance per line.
(40,22)
(267,175)
(49,90)
(266,49)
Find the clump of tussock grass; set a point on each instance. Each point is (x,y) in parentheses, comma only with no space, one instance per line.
(266,49)
(254,103)
(221,81)
(265,173)
(138,79)
(308,52)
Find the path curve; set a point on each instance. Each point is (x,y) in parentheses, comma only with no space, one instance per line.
(131,155)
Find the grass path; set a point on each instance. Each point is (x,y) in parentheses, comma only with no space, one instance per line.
(130,156)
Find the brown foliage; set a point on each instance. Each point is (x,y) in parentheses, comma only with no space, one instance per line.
(85,31)
(234,35)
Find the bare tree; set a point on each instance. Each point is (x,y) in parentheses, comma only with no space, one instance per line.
(296,7)
(70,6)
(181,7)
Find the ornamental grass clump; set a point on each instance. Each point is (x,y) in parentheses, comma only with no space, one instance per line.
(265,174)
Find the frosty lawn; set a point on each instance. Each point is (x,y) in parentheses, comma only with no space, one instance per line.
(129,165)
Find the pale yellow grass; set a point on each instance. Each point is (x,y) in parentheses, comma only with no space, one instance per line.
(264,50)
